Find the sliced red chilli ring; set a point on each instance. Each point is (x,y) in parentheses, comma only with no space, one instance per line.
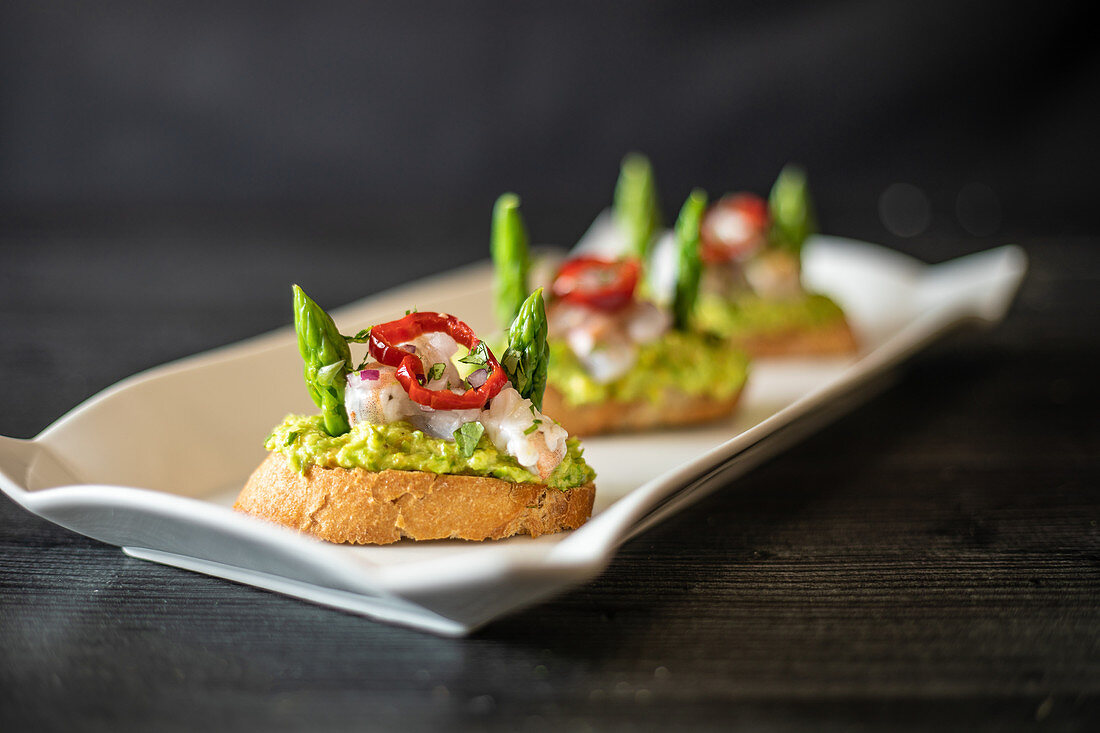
(733,228)
(596,282)
(383,346)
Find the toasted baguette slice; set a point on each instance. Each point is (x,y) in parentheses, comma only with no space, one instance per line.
(619,417)
(377,508)
(832,338)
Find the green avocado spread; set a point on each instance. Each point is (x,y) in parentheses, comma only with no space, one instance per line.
(691,363)
(399,446)
(751,314)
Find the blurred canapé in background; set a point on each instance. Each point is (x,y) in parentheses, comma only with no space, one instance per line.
(913,119)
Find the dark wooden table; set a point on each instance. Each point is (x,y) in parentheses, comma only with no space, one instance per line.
(930,561)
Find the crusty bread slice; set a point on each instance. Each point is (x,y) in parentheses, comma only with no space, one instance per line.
(674,409)
(377,508)
(833,338)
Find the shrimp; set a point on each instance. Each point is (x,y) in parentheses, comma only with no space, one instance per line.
(606,342)
(775,275)
(374,395)
(516,427)
(511,422)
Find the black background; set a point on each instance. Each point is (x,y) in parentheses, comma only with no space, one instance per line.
(427,109)
(167,169)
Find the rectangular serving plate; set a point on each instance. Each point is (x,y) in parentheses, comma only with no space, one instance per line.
(116,470)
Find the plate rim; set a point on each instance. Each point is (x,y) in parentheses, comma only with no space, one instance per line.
(577,556)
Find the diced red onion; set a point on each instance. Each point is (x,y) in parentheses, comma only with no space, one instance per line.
(368,375)
(478,378)
(409,348)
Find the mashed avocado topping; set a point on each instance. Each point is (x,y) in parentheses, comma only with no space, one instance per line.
(398,446)
(751,314)
(691,363)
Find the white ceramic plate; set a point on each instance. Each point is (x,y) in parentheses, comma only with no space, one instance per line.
(114,470)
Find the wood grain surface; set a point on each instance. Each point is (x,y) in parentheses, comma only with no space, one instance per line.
(932,561)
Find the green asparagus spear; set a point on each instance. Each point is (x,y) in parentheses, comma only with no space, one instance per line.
(636,209)
(327,360)
(527,356)
(689,266)
(509,246)
(791,210)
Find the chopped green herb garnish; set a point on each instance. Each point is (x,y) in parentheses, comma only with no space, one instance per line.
(478,357)
(360,338)
(438,370)
(534,426)
(468,436)
(291,437)
(411,310)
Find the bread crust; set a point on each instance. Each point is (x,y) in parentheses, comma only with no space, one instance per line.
(833,338)
(676,408)
(376,508)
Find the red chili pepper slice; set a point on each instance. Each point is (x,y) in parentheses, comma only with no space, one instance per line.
(597,282)
(734,227)
(410,371)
